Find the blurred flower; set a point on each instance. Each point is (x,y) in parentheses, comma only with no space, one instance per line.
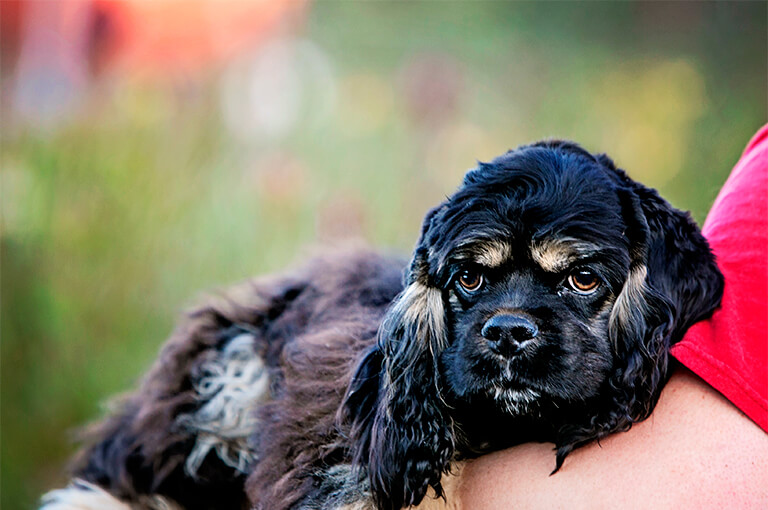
(51,72)
(270,92)
(432,84)
(341,217)
(168,37)
(280,178)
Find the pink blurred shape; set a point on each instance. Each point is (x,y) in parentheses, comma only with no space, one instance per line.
(51,50)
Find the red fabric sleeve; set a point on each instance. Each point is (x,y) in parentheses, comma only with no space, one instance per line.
(730,350)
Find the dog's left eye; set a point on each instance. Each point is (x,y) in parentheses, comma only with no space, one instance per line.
(583,281)
(471,280)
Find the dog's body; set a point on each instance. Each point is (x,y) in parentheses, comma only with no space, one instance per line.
(539,304)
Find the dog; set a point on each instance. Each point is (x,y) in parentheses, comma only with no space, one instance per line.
(539,304)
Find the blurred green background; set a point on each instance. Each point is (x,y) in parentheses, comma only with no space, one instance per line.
(126,193)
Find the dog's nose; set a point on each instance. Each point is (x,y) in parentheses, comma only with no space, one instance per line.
(508,331)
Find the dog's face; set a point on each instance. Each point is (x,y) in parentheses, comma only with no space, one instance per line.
(522,331)
(530,270)
(549,278)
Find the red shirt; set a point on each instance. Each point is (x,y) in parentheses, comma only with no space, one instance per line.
(730,350)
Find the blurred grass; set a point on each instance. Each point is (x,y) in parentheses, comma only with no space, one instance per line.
(116,220)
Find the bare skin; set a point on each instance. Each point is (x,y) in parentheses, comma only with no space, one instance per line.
(696,450)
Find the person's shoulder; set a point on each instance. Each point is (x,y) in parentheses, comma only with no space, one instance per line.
(696,450)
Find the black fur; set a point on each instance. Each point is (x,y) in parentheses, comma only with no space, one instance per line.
(545,191)
(378,385)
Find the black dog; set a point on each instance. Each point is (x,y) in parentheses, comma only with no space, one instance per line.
(540,304)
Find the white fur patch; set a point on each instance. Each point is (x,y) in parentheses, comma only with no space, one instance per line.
(515,402)
(231,386)
(82,495)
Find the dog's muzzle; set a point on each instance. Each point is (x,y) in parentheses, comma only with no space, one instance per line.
(509,334)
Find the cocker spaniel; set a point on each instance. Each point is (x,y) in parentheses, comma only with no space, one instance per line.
(540,304)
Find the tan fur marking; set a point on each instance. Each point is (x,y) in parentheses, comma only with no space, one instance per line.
(424,306)
(554,256)
(631,296)
(493,254)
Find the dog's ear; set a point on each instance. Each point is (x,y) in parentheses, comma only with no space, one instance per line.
(400,430)
(678,262)
(673,282)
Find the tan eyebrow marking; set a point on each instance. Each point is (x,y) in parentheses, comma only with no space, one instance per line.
(492,253)
(555,255)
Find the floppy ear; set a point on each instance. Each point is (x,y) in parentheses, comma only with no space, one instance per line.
(673,282)
(679,263)
(400,431)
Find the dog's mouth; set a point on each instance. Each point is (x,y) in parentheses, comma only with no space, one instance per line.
(509,385)
(515,401)
(513,396)
(480,375)
(514,371)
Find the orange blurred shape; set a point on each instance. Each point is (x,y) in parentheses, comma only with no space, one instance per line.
(155,36)
(184,36)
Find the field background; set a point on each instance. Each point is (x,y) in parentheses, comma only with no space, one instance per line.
(134,179)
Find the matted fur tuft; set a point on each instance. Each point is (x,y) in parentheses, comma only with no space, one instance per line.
(231,385)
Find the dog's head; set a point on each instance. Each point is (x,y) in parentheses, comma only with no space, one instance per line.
(549,280)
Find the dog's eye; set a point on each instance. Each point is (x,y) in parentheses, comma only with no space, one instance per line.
(583,281)
(471,280)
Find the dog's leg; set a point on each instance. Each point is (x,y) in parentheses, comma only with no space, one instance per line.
(181,440)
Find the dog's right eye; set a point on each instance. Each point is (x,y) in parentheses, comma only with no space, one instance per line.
(471,280)
(583,282)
